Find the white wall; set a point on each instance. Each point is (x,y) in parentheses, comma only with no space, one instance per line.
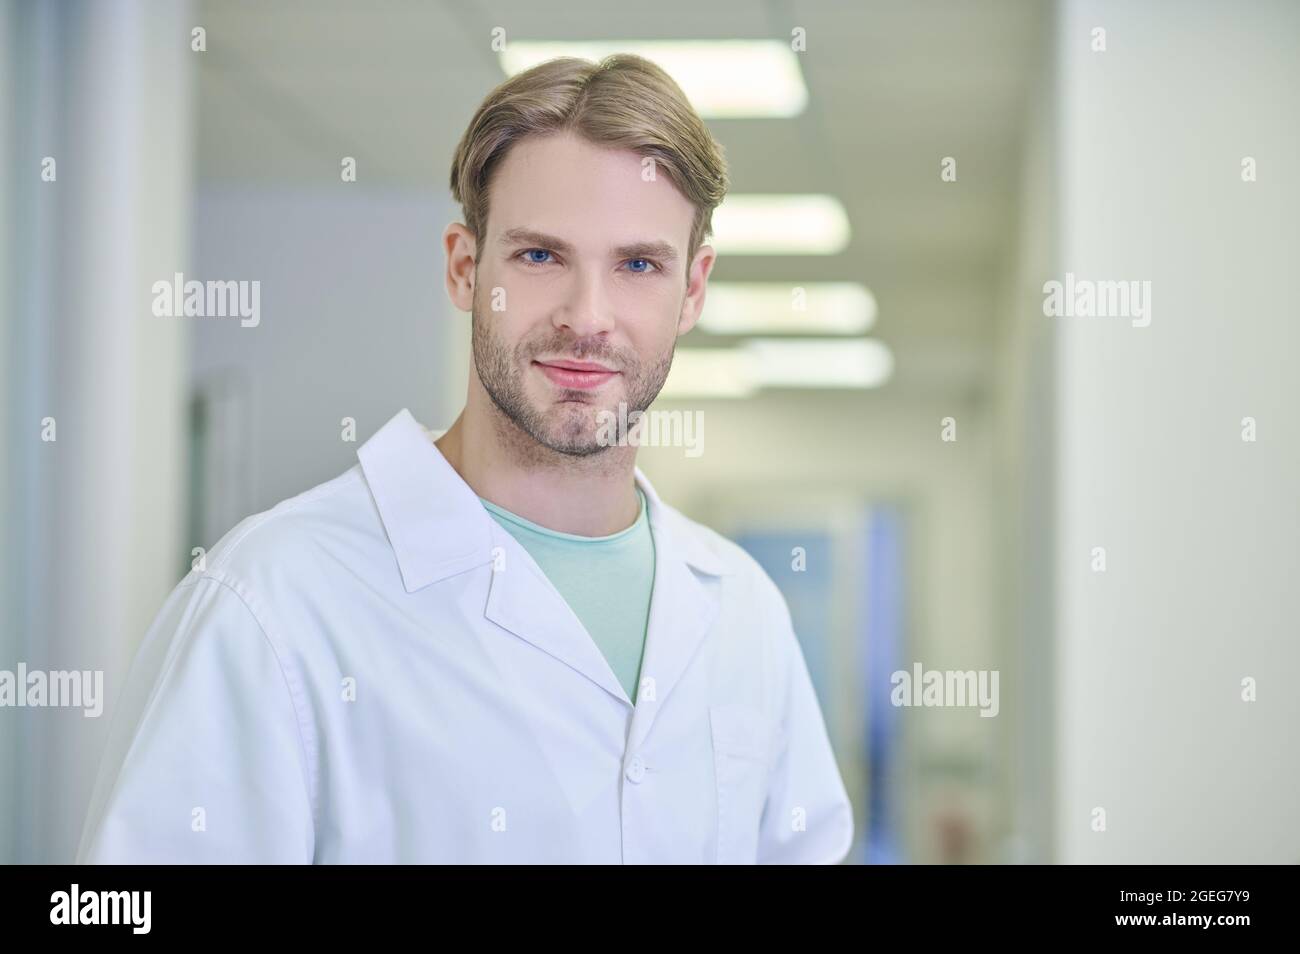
(12,612)
(354,323)
(1024,486)
(1200,528)
(103,89)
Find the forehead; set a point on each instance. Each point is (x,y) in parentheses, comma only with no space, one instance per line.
(593,196)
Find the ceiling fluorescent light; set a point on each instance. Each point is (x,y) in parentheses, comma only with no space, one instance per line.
(723,79)
(710,373)
(777,363)
(820,362)
(773,308)
(755,224)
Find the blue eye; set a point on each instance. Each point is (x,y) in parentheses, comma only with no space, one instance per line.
(532,252)
(646,264)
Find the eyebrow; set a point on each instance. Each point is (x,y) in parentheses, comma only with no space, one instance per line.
(662,251)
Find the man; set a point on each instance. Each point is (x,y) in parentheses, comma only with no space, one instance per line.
(500,646)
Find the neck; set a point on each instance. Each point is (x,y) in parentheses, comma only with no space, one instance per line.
(590,496)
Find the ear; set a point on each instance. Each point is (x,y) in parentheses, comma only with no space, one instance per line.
(460,246)
(697,282)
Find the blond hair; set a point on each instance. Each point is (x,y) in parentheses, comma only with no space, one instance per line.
(623,102)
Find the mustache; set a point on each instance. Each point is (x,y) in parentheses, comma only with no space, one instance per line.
(577,349)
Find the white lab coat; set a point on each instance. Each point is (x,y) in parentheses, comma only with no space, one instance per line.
(375,671)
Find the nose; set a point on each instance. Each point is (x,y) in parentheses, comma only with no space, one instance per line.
(586,310)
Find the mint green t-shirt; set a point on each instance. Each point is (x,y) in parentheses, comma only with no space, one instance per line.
(607,582)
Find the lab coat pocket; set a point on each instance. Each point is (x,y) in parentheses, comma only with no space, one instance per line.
(741,747)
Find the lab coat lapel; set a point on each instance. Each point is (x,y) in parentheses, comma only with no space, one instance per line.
(682,610)
(683,607)
(522,600)
(438,527)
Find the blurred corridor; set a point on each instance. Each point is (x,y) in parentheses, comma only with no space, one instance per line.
(1094,515)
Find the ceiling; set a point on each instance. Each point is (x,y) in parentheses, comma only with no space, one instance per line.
(894,87)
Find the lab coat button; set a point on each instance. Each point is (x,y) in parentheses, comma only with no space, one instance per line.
(635,769)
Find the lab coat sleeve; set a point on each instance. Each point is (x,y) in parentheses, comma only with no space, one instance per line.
(808,818)
(205,761)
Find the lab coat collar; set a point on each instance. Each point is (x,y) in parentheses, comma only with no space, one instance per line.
(438,527)
(432,518)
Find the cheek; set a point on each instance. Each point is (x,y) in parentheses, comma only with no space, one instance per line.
(511,311)
(649,315)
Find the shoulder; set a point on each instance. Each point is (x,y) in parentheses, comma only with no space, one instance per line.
(711,553)
(290,538)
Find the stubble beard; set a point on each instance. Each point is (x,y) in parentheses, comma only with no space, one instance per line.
(572,424)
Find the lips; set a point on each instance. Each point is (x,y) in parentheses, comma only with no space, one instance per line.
(582,375)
